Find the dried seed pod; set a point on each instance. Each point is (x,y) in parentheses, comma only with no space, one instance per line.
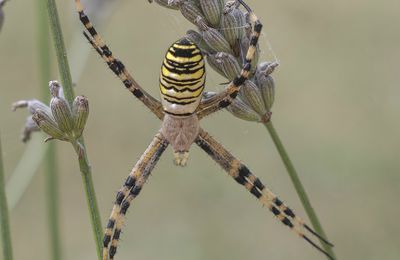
(60,109)
(221,4)
(212,11)
(233,23)
(47,124)
(212,61)
(241,109)
(199,41)
(32,105)
(29,128)
(80,112)
(190,9)
(266,83)
(166,3)
(253,97)
(228,64)
(212,37)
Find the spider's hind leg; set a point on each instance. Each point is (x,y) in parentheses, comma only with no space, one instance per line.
(242,175)
(131,189)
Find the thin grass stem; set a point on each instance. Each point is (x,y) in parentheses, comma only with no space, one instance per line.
(4,218)
(79,147)
(301,192)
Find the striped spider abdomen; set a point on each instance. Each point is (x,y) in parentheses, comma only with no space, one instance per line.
(182,78)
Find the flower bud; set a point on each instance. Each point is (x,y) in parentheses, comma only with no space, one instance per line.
(213,37)
(189,9)
(29,128)
(212,61)
(233,23)
(240,109)
(32,105)
(165,3)
(198,40)
(266,83)
(253,97)
(80,112)
(229,65)
(47,124)
(212,11)
(60,109)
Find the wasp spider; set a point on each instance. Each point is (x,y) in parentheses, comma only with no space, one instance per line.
(182,80)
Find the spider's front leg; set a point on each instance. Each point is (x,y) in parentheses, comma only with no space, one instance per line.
(252,183)
(116,65)
(131,189)
(225,97)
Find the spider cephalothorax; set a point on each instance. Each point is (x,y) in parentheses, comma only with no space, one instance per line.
(182,106)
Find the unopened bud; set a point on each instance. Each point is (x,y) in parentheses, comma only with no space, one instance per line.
(212,11)
(266,83)
(189,9)
(199,41)
(213,62)
(32,105)
(229,65)
(241,109)
(253,97)
(80,111)
(29,128)
(213,37)
(165,3)
(233,23)
(47,124)
(60,109)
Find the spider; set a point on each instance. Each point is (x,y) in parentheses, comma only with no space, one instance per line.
(182,105)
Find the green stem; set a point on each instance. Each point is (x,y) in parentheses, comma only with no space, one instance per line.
(50,166)
(4,221)
(298,185)
(62,59)
(80,149)
(90,195)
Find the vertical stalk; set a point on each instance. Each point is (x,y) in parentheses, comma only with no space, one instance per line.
(79,148)
(4,220)
(301,192)
(50,164)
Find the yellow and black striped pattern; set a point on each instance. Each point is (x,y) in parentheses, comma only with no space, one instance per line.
(182,78)
(242,175)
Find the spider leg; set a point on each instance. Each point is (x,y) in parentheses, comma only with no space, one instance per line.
(226,96)
(252,183)
(131,189)
(116,65)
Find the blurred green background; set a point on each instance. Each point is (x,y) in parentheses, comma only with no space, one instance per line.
(337,111)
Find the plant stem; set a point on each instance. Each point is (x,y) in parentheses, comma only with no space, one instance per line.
(4,220)
(50,165)
(79,148)
(90,195)
(62,59)
(298,185)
